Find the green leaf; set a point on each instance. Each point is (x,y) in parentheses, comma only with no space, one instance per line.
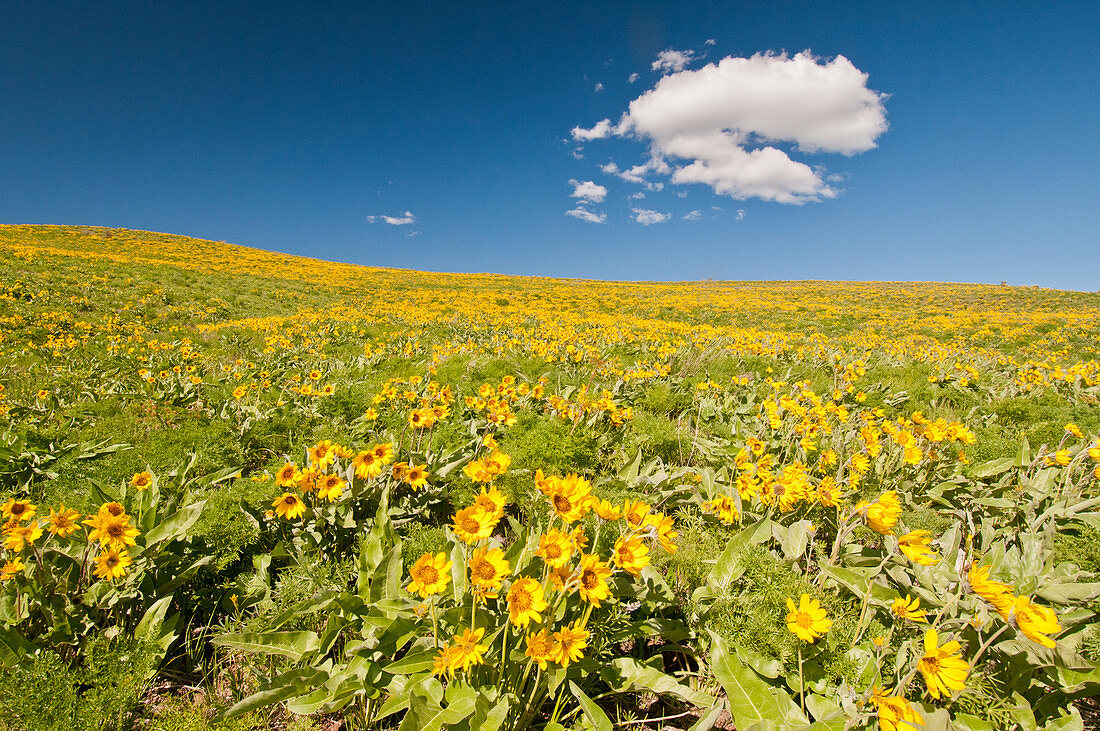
(154,630)
(412,663)
(592,711)
(645,677)
(175,525)
(858,584)
(729,566)
(287,644)
(993,467)
(13,647)
(707,721)
(751,700)
(280,688)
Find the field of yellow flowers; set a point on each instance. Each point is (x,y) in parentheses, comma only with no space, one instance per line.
(246,490)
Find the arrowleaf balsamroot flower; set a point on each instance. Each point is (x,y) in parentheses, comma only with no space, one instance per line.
(112,563)
(540,648)
(555,548)
(808,620)
(474,524)
(915,547)
(593,579)
(996,593)
(488,569)
(17,510)
(631,555)
(289,506)
(141,480)
(882,514)
(1034,620)
(894,712)
(63,523)
(569,644)
(430,575)
(943,670)
(908,608)
(525,602)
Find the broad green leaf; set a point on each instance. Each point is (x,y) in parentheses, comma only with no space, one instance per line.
(287,644)
(707,721)
(592,712)
(154,630)
(176,525)
(750,698)
(993,467)
(280,688)
(645,677)
(858,584)
(412,663)
(13,646)
(729,566)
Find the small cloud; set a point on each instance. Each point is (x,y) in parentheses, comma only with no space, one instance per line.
(638,196)
(601,130)
(410,234)
(599,86)
(632,78)
(403,220)
(740,214)
(647,217)
(672,61)
(588,191)
(682,194)
(693,215)
(710,42)
(583,214)
(577,154)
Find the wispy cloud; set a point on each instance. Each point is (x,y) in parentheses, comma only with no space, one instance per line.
(588,191)
(693,215)
(402,220)
(671,60)
(583,214)
(647,217)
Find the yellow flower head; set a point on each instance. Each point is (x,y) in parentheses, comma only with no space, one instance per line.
(289,506)
(570,498)
(467,650)
(555,548)
(1034,620)
(330,487)
(894,712)
(430,575)
(908,608)
(19,510)
(417,476)
(569,644)
(142,480)
(488,569)
(724,508)
(631,554)
(17,536)
(114,532)
(1075,430)
(605,509)
(944,672)
(473,524)
(287,475)
(525,602)
(661,527)
(540,648)
(112,563)
(882,514)
(808,620)
(11,568)
(593,579)
(367,465)
(915,547)
(492,500)
(994,592)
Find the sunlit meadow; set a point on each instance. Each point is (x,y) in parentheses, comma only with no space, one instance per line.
(249,490)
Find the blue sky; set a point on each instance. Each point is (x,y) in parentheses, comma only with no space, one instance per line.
(298,128)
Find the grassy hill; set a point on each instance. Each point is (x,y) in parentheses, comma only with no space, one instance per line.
(196,384)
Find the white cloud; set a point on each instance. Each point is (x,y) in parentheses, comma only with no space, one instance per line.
(410,234)
(583,214)
(693,215)
(637,174)
(601,130)
(647,217)
(588,191)
(710,42)
(599,86)
(740,214)
(637,196)
(720,119)
(672,61)
(632,78)
(403,220)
